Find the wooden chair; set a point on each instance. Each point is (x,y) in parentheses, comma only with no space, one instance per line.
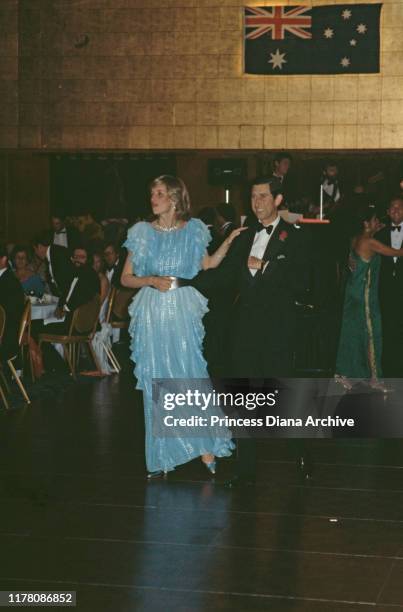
(3,378)
(118,304)
(82,328)
(24,334)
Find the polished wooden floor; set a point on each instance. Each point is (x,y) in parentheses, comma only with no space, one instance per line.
(77,514)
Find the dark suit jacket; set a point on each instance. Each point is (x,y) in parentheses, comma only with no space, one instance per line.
(12,299)
(265,315)
(63,272)
(391,275)
(118,269)
(73,238)
(85,288)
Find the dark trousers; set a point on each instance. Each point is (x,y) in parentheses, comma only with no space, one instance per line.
(392,336)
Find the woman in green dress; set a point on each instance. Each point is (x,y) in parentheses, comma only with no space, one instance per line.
(360,345)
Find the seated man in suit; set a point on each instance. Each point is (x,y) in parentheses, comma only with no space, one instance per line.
(12,299)
(59,268)
(83,287)
(115,259)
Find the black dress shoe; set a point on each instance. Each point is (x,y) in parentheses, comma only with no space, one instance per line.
(305,467)
(240,481)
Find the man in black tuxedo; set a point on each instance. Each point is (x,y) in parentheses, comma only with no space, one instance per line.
(269,264)
(391,292)
(12,299)
(59,268)
(115,260)
(63,235)
(83,287)
(281,170)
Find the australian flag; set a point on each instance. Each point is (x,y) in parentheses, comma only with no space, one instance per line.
(330,39)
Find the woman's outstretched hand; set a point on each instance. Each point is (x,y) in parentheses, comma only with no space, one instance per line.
(234,234)
(162,283)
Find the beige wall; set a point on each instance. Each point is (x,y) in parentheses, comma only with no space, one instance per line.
(172,78)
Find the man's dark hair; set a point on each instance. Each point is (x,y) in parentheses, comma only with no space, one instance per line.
(397,196)
(282,155)
(43,238)
(58,214)
(112,244)
(273,181)
(3,250)
(226,211)
(331,163)
(80,247)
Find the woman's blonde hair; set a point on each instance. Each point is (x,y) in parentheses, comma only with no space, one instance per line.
(177,192)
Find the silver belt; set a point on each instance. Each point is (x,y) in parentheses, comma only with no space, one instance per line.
(177,282)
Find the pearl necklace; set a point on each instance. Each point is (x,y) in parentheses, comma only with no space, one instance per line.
(164,228)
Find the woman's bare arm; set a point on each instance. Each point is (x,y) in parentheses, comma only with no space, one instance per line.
(382,249)
(214,260)
(128,279)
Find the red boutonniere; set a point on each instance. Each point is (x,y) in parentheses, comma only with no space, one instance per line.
(283,236)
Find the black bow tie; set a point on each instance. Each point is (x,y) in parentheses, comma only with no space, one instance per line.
(268,229)
(63,231)
(395,227)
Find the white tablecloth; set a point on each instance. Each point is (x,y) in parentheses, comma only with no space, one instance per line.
(42,311)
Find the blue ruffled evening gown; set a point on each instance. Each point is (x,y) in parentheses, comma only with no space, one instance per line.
(167,332)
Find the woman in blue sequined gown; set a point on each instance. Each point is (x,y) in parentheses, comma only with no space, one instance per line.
(166,324)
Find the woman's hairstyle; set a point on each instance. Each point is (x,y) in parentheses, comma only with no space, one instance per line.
(177,192)
(362,216)
(19,248)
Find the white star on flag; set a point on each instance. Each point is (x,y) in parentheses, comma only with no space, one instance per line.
(362,28)
(345,62)
(328,33)
(346,14)
(353,42)
(277,59)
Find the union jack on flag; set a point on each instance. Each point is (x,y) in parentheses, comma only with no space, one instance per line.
(278,20)
(326,39)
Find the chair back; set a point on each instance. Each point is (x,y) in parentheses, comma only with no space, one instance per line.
(121,302)
(85,317)
(111,299)
(25,323)
(2,322)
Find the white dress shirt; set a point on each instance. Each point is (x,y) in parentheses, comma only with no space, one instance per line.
(50,266)
(2,271)
(261,241)
(396,238)
(72,286)
(60,238)
(332,190)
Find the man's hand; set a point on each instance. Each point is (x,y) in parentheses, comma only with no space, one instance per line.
(59,313)
(254,263)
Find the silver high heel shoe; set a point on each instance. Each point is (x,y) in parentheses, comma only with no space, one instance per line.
(211,466)
(156,474)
